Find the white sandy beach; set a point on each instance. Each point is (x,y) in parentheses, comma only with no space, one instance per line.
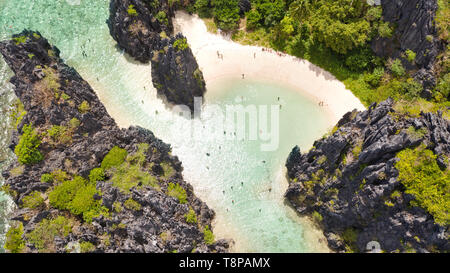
(255,63)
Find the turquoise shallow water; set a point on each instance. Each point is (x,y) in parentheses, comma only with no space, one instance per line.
(243,184)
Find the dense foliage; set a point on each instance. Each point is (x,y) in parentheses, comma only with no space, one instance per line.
(27,150)
(226,14)
(14,240)
(33,201)
(43,236)
(423,178)
(77,196)
(180,44)
(115,157)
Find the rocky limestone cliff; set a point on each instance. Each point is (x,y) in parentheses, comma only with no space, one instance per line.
(142,203)
(414,29)
(145,36)
(348,182)
(175,72)
(137,25)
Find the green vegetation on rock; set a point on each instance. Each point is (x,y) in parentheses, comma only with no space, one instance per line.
(422,177)
(77,196)
(175,190)
(191,217)
(132,11)
(86,247)
(130,171)
(43,236)
(27,150)
(180,44)
(114,158)
(84,107)
(14,238)
(208,235)
(132,205)
(33,200)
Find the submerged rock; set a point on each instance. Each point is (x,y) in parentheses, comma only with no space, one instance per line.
(349,181)
(135,208)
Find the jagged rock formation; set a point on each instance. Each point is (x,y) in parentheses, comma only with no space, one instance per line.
(141,216)
(137,25)
(349,182)
(244,6)
(415,30)
(143,34)
(175,72)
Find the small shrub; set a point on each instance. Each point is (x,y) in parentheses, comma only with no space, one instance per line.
(375,77)
(396,194)
(48,86)
(410,55)
(46,178)
(117,206)
(20,40)
(84,107)
(357,150)
(208,236)
(17,112)
(86,247)
(132,11)
(59,176)
(322,159)
(412,88)
(397,68)
(180,44)
(114,158)
(74,123)
(374,14)
(17,171)
(384,30)
(175,190)
(317,217)
(162,17)
(350,236)
(96,174)
(27,151)
(14,238)
(191,217)
(64,96)
(33,201)
(43,236)
(168,170)
(416,133)
(132,205)
(60,134)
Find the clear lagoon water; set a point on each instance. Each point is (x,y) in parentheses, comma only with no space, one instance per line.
(243,184)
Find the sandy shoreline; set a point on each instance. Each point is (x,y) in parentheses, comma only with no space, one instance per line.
(255,63)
